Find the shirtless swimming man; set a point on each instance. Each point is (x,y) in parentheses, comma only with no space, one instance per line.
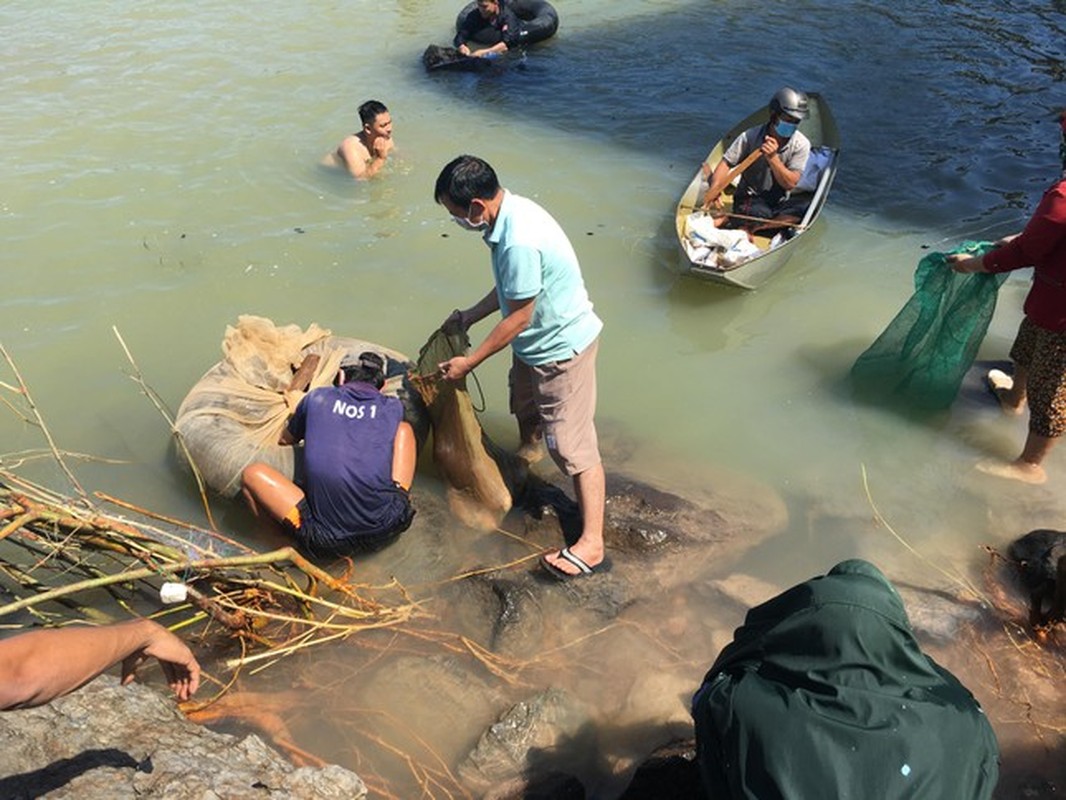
(364,153)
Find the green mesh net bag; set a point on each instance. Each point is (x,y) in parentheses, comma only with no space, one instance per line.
(922,356)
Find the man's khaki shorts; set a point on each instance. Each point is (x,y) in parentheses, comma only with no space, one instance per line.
(561,396)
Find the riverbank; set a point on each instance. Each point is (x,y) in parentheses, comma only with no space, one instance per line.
(106,742)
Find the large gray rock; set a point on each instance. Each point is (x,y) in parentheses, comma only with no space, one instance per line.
(502,609)
(108,742)
(524,734)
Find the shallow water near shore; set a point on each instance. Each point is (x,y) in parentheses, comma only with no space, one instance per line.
(162,177)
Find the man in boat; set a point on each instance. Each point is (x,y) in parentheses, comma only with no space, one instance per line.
(359,462)
(764,192)
(1039,349)
(365,152)
(491,27)
(548,321)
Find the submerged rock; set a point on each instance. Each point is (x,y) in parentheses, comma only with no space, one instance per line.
(938,613)
(657,539)
(746,590)
(557,786)
(106,741)
(439,697)
(535,730)
(668,773)
(504,608)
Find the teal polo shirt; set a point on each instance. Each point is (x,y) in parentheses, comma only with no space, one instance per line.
(532,257)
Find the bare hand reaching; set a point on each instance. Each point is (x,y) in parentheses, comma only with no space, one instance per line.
(961,262)
(180,667)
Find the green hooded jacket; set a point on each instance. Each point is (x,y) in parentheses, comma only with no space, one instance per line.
(824,694)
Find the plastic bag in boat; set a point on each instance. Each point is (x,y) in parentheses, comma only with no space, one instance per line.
(713,246)
(819,159)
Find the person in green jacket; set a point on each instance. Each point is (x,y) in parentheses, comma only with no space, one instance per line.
(824,693)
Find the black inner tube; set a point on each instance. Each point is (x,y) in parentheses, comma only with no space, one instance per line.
(539,18)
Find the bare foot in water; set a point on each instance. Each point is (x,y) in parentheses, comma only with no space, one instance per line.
(1001,384)
(1015,470)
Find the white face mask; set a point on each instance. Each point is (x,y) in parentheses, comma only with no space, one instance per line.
(467,225)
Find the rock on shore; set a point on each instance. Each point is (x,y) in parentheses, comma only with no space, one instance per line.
(108,742)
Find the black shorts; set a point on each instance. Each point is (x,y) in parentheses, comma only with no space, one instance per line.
(322,541)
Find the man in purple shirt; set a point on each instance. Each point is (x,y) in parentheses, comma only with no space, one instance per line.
(359,461)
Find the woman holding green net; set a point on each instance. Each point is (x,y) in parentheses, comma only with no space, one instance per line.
(1039,350)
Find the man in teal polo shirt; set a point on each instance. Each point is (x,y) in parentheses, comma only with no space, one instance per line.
(547,319)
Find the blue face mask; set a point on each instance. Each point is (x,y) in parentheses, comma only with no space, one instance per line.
(785,129)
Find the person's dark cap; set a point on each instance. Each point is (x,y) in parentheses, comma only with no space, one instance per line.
(368,367)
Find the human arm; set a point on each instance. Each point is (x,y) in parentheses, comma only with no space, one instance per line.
(518,318)
(477,312)
(487,52)
(480,37)
(1043,234)
(295,427)
(39,666)
(786,175)
(404,455)
(965,264)
(736,155)
(717,180)
(465,30)
(363,162)
(1041,242)
(381,148)
(462,33)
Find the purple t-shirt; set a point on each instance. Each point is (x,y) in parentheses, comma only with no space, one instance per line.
(348,434)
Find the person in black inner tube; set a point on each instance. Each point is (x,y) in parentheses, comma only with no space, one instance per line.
(491,27)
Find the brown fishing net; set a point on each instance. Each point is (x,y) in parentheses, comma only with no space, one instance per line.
(236,412)
(479,475)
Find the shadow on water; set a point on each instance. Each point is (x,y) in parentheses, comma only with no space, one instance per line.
(967,129)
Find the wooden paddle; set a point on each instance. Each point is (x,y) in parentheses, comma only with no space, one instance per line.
(743,165)
(738,169)
(301,379)
(778,223)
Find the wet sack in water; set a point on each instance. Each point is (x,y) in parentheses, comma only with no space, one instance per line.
(922,356)
(824,693)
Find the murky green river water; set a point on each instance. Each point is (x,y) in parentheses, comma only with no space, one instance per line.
(161,177)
